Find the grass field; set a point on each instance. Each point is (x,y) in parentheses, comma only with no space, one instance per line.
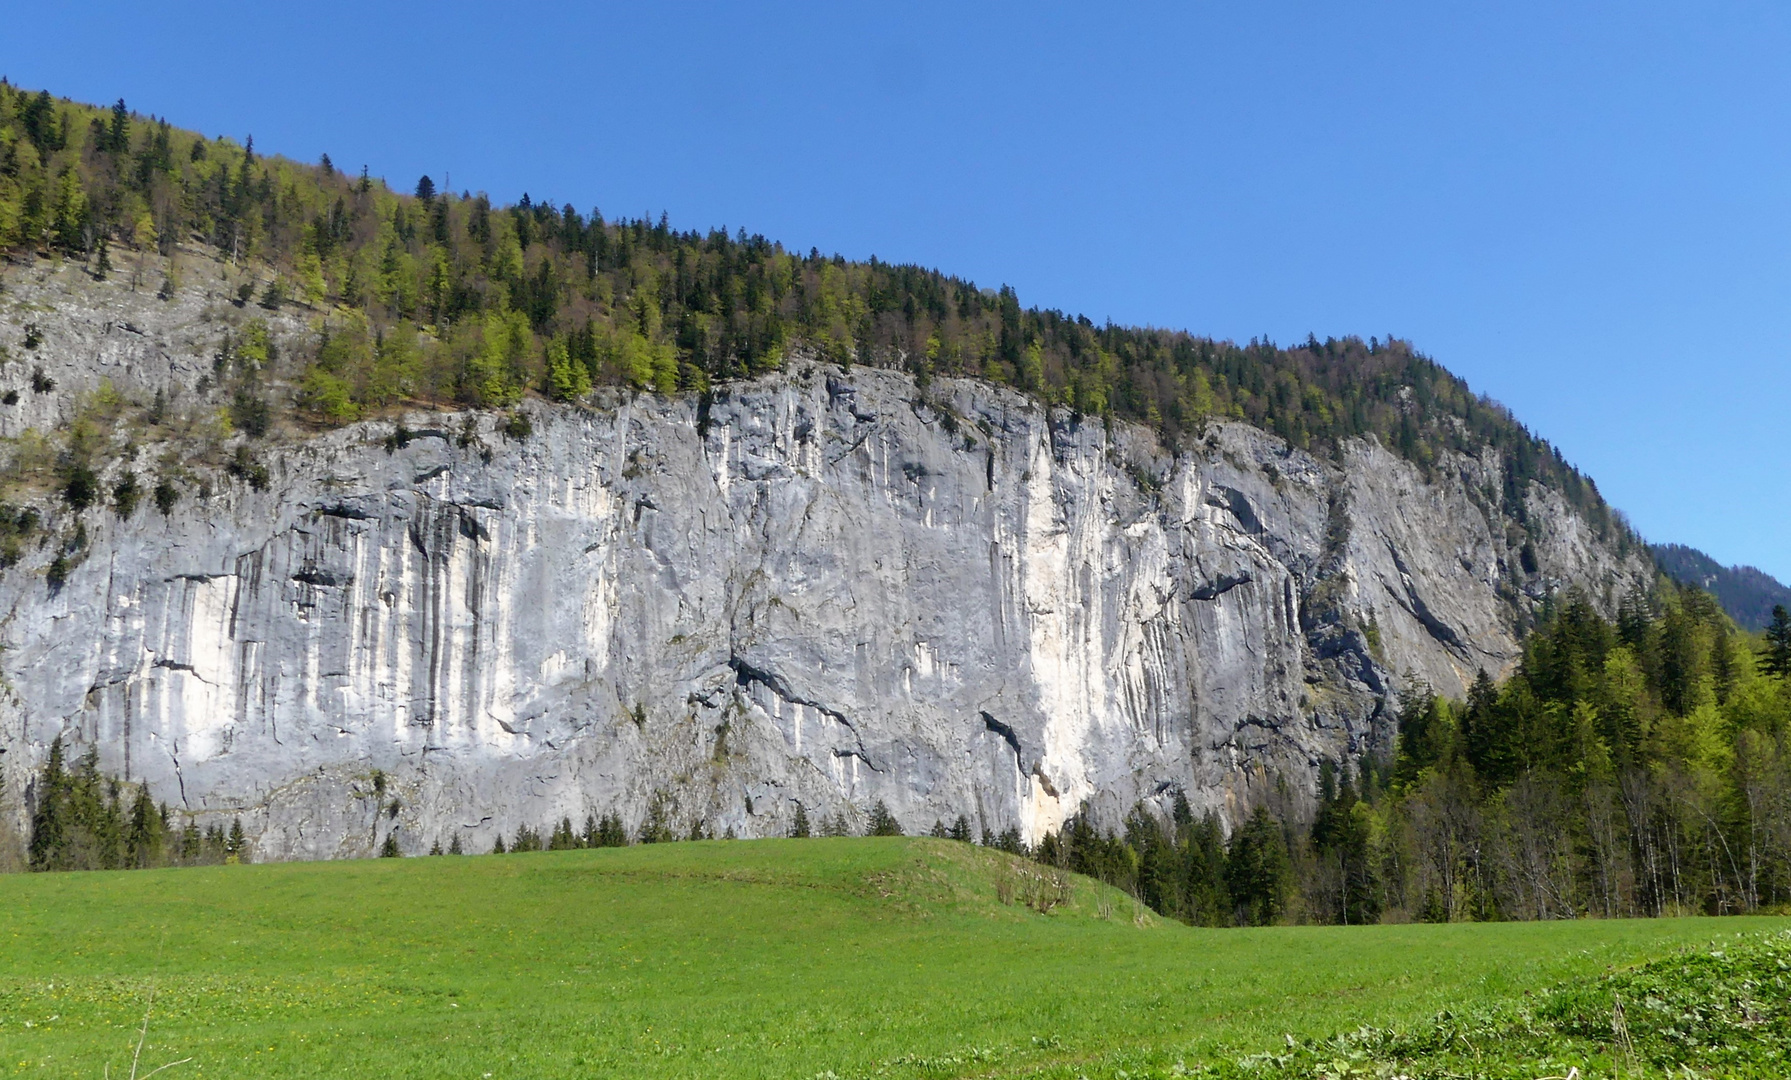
(856,957)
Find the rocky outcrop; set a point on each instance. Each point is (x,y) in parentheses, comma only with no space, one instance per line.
(825,587)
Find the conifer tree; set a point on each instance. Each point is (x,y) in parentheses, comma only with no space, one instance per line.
(1485,735)
(1206,896)
(1777,658)
(656,828)
(49,821)
(1340,838)
(125,494)
(799,827)
(882,822)
(144,836)
(1258,869)
(1181,815)
(213,848)
(118,134)
(167,496)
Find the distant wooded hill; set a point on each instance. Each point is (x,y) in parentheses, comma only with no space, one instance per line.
(1746,593)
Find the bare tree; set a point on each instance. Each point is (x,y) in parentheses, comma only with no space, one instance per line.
(1444,816)
(1762,794)
(1639,802)
(1534,849)
(1611,871)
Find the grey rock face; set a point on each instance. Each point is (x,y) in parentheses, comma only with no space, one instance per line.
(92,334)
(824,588)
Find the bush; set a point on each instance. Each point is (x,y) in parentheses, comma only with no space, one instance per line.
(517,426)
(166,495)
(400,438)
(244,467)
(125,494)
(329,395)
(80,487)
(249,412)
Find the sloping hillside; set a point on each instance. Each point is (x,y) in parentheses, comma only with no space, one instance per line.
(534,515)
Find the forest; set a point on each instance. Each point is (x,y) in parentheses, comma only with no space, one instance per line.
(1630,768)
(85,820)
(426,297)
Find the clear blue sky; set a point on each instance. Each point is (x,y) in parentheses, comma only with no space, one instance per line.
(1584,209)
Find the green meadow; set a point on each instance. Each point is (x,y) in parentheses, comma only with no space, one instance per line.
(894,957)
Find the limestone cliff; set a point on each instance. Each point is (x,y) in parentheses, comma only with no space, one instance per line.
(827,586)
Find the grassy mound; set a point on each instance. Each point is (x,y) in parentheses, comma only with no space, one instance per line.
(895,957)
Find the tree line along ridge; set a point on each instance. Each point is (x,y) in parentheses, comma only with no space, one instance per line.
(432,297)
